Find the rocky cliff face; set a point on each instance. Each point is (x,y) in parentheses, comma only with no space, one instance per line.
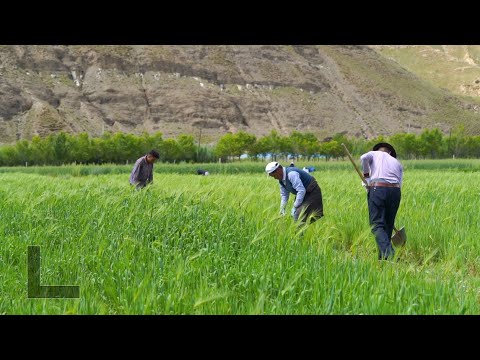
(216,89)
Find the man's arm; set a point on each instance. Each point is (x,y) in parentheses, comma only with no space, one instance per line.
(134,174)
(297,184)
(284,194)
(134,177)
(366,159)
(150,176)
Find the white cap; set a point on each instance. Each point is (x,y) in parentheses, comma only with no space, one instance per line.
(271,167)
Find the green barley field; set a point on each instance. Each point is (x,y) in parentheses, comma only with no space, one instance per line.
(191,244)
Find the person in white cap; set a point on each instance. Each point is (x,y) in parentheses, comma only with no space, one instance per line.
(308,200)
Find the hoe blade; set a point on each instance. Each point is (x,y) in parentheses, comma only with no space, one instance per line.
(399,238)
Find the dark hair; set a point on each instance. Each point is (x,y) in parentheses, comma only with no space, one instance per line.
(154,153)
(388,146)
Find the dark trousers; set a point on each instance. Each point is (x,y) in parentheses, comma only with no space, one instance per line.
(383,203)
(312,205)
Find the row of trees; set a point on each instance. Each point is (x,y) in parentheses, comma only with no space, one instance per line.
(430,144)
(120,148)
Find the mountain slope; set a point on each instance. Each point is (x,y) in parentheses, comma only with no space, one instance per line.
(453,67)
(216,89)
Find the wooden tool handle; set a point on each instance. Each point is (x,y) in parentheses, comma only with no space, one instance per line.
(354,165)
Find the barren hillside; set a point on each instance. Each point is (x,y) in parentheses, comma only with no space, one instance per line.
(216,89)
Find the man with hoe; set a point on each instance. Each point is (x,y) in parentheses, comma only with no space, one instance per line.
(383,174)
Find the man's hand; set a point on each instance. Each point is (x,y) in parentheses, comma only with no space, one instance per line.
(366,185)
(293,211)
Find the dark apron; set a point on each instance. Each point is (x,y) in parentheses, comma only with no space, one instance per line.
(312,204)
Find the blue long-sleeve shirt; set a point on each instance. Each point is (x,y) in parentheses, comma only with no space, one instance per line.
(297,184)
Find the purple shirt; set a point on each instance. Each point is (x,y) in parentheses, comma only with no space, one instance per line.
(142,172)
(382,166)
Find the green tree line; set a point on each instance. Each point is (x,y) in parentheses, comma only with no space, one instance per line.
(118,148)
(430,144)
(121,148)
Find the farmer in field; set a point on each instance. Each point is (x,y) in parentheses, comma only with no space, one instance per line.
(308,200)
(142,173)
(202,172)
(383,173)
